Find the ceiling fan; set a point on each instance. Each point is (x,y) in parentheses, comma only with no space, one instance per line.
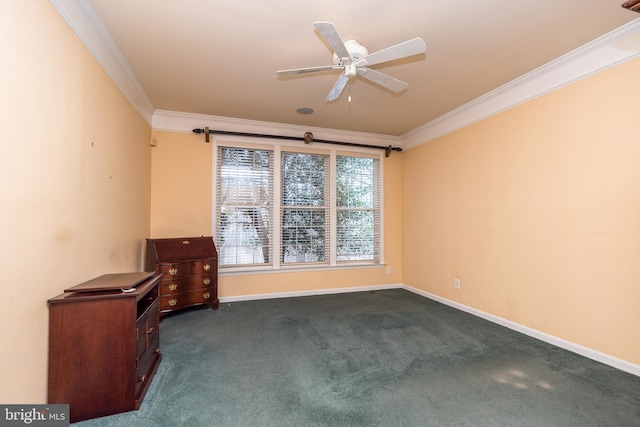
(353,59)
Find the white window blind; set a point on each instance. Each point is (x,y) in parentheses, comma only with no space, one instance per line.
(305,208)
(358,209)
(244,207)
(279,207)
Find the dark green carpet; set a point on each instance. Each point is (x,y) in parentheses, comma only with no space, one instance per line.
(386,358)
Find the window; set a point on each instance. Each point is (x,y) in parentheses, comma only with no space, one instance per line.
(244,206)
(305,207)
(358,210)
(281,207)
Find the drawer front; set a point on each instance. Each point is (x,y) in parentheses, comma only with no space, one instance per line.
(176,286)
(175,270)
(188,298)
(206,266)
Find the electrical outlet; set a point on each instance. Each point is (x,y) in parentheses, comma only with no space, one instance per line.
(456,283)
(388,270)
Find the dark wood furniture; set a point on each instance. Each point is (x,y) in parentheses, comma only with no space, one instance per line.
(189,268)
(632,5)
(104,344)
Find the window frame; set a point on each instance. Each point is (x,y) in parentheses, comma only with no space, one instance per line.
(279,146)
(375,208)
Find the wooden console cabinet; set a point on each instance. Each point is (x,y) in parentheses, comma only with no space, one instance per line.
(104,344)
(189,269)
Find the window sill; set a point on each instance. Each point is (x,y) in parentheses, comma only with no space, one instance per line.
(237,271)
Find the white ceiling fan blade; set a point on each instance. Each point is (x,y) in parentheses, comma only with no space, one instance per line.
(338,87)
(382,79)
(308,70)
(402,50)
(329,33)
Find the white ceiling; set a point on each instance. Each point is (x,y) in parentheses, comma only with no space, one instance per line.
(220,57)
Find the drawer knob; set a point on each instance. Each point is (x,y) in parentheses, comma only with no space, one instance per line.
(150,330)
(173,302)
(173,286)
(207,267)
(206,280)
(207,295)
(173,271)
(143,378)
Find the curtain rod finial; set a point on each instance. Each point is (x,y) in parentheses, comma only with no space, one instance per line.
(308,137)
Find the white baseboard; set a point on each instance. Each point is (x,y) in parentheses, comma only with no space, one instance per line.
(623,365)
(308,293)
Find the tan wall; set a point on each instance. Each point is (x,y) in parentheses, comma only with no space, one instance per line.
(182,204)
(181,191)
(537,211)
(75,181)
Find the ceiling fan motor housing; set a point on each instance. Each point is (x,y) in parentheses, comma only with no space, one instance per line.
(355,49)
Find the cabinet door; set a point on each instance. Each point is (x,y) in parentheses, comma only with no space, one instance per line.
(148,345)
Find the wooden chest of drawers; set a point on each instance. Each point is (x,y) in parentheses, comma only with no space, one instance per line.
(104,344)
(189,269)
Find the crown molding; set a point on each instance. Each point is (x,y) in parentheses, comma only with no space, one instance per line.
(614,48)
(174,121)
(83,19)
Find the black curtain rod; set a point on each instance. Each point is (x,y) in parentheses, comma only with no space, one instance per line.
(308,137)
